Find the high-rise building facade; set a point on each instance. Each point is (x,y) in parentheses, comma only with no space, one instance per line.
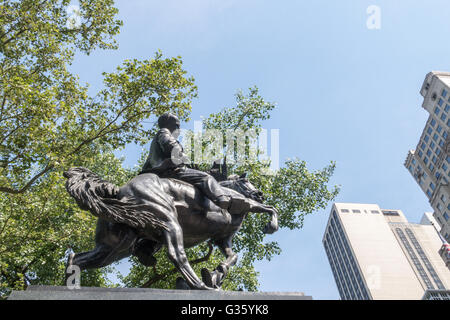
(377,254)
(429,163)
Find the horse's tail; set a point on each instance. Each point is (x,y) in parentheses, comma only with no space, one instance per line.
(100,198)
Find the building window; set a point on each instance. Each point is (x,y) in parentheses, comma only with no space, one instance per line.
(445,215)
(390,213)
(439,129)
(438,151)
(447,107)
(432,186)
(440,102)
(429,193)
(434,159)
(439,207)
(356,211)
(443,117)
(375,211)
(429,130)
(420,153)
(422,146)
(429,152)
(435,137)
(425,160)
(426,138)
(436,111)
(444,93)
(345,210)
(445,134)
(432,145)
(433,122)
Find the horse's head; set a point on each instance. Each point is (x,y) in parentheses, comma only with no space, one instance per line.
(243,186)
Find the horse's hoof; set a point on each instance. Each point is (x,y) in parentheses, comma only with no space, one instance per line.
(270,228)
(207,278)
(181,284)
(205,287)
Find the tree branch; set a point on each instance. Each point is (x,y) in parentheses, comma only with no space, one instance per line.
(103,131)
(29,184)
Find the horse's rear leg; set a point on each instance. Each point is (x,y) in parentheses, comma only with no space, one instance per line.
(176,253)
(113,242)
(100,256)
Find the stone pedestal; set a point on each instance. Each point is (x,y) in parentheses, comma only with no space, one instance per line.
(94,293)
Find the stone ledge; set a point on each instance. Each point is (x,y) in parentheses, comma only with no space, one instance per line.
(96,293)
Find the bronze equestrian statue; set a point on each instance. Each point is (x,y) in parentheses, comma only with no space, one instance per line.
(167,204)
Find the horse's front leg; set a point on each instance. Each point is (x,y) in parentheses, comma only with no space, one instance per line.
(272,225)
(176,253)
(215,278)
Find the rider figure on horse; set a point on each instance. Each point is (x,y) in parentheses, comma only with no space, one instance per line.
(168,160)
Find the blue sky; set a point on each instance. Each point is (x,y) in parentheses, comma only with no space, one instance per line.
(343,93)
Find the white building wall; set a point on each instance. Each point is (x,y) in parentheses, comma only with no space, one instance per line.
(387,269)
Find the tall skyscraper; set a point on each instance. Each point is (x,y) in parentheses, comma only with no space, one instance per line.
(377,254)
(429,163)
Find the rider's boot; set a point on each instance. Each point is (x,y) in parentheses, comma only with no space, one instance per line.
(223,202)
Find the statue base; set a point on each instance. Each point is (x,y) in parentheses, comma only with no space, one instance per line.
(95,293)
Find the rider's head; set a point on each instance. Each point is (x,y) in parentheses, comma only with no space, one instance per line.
(169,121)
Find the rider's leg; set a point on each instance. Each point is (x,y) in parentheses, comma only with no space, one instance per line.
(206,183)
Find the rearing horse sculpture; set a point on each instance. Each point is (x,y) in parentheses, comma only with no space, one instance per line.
(149,212)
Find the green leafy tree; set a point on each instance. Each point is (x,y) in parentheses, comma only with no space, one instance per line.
(47,118)
(49,122)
